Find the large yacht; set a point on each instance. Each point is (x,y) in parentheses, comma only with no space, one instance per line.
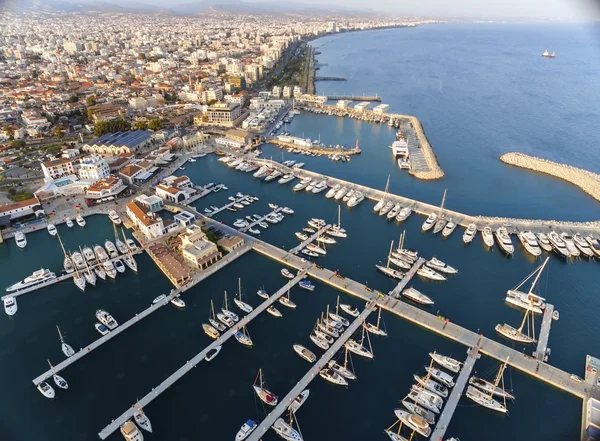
(429,222)
(570,244)
(583,245)
(106,319)
(114,217)
(20,239)
(594,244)
(469,233)
(543,242)
(416,296)
(504,241)
(440,266)
(488,237)
(558,245)
(530,243)
(39,276)
(446,362)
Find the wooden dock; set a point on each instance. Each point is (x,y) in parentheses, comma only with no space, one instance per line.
(190,364)
(397,291)
(448,412)
(285,402)
(542,344)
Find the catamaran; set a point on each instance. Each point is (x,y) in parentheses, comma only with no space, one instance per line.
(528,300)
(374,328)
(241,304)
(66,348)
(469,233)
(485,397)
(264,394)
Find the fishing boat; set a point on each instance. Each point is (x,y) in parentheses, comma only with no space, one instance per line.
(142,419)
(305,284)
(430,274)
(449,228)
(543,242)
(247,428)
(69,222)
(46,390)
(333,377)
(286,273)
(264,394)
(374,328)
(59,381)
(225,310)
(440,375)
(358,348)
(446,362)
(286,301)
(305,353)
(299,400)
(80,220)
(469,233)
(417,297)
(485,397)
(114,217)
(440,266)
(66,348)
(425,398)
(418,410)
(10,305)
(504,241)
(286,431)
(20,239)
(382,201)
(52,230)
(274,311)
(211,331)
(243,337)
(38,277)
(106,319)
(320,342)
(212,353)
(487,236)
(238,301)
(517,334)
(129,430)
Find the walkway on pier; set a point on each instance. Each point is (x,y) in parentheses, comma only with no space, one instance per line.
(457,391)
(189,365)
(302,245)
(256,222)
(310,375)
(397,291)
(197,278)
(542,345)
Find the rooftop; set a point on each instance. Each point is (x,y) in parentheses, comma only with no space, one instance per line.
(128,139)
(17,205)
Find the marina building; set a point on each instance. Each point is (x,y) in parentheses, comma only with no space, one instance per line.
(19,209)
(400,148)
(93,168)
(294,140)
(196,249)
(107,188)
(57,168)
(224,114)
(169,264)
(230,244)
(228,143)
(343,104)
(130,173)
(312,99)
(238,135)
(361,107)
(175,189)
(381,109)
(147,222)
(112,144)
(265,103)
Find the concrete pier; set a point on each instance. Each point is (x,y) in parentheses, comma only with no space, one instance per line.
(311,238)
(225,207)
(190,364)
(448,412)
(542,345)
(397,291)
(256,222)
(285,402)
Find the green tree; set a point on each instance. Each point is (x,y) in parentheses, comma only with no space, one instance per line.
(155,124)
(211,102)
(113,125)
(10,132)
(141,125)
(73,98)
(17,143)
(90,100)
(59,133)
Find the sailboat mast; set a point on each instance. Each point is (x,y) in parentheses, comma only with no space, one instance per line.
(61,244)
(403,235)
(337,306)
(538,275)
(443,200)
(378,317)
(390,253)
(339,216)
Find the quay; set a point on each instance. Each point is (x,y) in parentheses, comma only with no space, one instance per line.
(397,291)
(310,375)
(140,316)
(542,345)
(331,79)
(303,244)
(190,364)
(448,412)
(321,151)
(224,207)
(354,98)
(256,222)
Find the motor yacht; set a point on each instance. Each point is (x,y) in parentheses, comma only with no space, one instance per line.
(302,184)
(543,242)
(430,274)
(245,431)
(305,284)
(394,212)
(529,242)
(110,269)
(570,243)
(356,199)
(583,245)
(52,230)
(46,390)
(418,297)
(212,353)
(106,319)
(80,220)
(429,222)
(299,400)
(326,240)
(123,249)
(131,245)
(114,217)
(385,209)
(10,305)
(119,266)
(286,178)
(78,261)
(594,245)
(350,309)
(446,362)
(38,277)
(20,239)
(341,193)
(449,228)
(286,273)
(301,236)
(130,431)
(100,253)
(440,266)
(287,210)
(69,222)
(60,382)
(286,431)
(558,245)
(89,255)
(403,214)
(504,241)
(111,249)
(445,378)
(264,394)
(332,191)
(99,271)
(333,377)
(469,233)
(68,265)
(311,185)
(178,302)
(305,353)
(488,237)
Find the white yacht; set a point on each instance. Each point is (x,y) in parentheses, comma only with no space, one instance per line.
(178,302)
(356,199)
(394,212)
(430,274)
(286,178)
(404,214)
(311,185)
(449,228)
(114,217)
(558,245)
(332,191)
(528,300)
(46,390)
(414,422)
(429,222)
(286,431)
(245,431)
(530,243)
(583,245)
(52,229)
(350,309)
(123,249)
(445,378)
(326,240)
(38,277)
(320,342)
(110,269)
(341,193)
(119,266)
(130,262)
(130,431)
(89,255)
(418,410)
(100,253)
(302,184)
(305,353)
(299,400)
(431,385)
(416,296)
(102,329)
(446,362)
(111,249)
(69,222)
(20,239)
(78,260)
(212,353)
(484,399)
(10,305)
(390,272)
(131,245)
(425,398)
(385,209)
(322,185)
(333,377)
(469,233)
(594,244)
(68,265)
(488,237)
(354,346)
(570,244)
(80,220)
(438,265)
(66,348)
(504,242)
(543,242)
(106,319)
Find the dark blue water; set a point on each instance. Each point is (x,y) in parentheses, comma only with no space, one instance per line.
(214,399)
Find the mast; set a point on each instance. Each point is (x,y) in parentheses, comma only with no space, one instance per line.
(59,334)
(378,317)
(389,254)
(51,367)
(339,216)
(538,275)
(337,306)
(226,301)
(240,287)
(403,235)
(61,244)
(212,309)
(443,200)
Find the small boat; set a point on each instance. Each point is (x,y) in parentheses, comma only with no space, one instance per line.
(504,242)
(102,329)
(418,410)
(333,377)
(66,348)
(583,245)
(243,337)
(326,240)
(142,420)
(430,274)
(285,430)
(178,302)
(488,237)
(416,296)
(299,400)
(80,220)
(414,422)
(440,266)
(287,210)
(212,353)
(446,362)
(262,293)
(69,222)
(46,390)
(309,253)
(286,273)
(253,231)
(264,394)
(52,230)
(245,431)
(114,217)
(301,236)
(469,233)
(59,381)
(349,309)
(211,331)
(106,319)
(130,431)
(20,239)
(308,230)
(385,209)
(10,305)
(320,342)
(305,284)
(274,311)
(158,299)
(273,206)
(263,225)
(131,245)
(429,222)
(305,353)
(119,266)
(286,301)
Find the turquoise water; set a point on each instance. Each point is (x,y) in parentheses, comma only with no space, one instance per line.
(213,400)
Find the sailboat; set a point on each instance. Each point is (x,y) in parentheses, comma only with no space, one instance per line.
(528,300)
(241,304)
(395,435)
(79,280)
(375,329)
(485,397)
(243,337)
(58,380)
(142,419)
(343,370)
(123,249)
(381,203)
(285,301)
(333,376)
(286,430)
(488,386)
(337,317)
(264,394)
(89,275)
(390,272)
(232,315)
(516,334)
(213,319)
(358,348)
(337,230)
(66,348)
(441,222)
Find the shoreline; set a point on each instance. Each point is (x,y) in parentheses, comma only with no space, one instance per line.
(587,181)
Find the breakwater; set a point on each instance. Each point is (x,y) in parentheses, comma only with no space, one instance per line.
(589,182)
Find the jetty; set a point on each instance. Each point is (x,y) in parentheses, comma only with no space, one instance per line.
(312,373)
(256,222)
(331,79)
(226,206)
(397,291)
(310,239)
(542,345)
(190,364)
(316,149)
(354,97)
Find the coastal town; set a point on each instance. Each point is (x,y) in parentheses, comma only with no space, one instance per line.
(122,118)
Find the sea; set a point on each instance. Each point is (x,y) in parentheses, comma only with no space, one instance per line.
(480,90)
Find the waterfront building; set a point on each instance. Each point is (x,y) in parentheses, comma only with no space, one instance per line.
(224,114)
(147,222)
(228,143)
(232,243)
(105,188)
(381,109)
(294,140)
(238,135)
(111,144)
(57,168)
(93,168)
(264,103)
(175,189)
(311,99)
(343,104)
(20,209)
(130,173)
(198,138)
(361,107)
(196,249)
(169,264)
(184,218)
(287,92)
(276,93)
